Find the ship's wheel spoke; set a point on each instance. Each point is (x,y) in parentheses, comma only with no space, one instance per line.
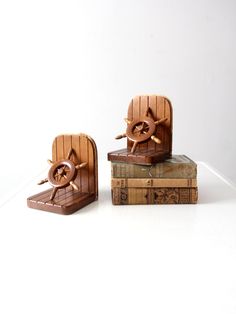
(43,181)
(134,147)
(69,153)
(118,137)
(54,191)
(156,139)
(160,121)
(80,166)
(74,186)
(149,111)
(50,162)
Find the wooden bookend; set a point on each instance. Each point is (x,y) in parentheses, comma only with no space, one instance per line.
(148,133)
(73,176)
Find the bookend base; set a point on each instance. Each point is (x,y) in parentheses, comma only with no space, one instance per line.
(145,157)
(66,202)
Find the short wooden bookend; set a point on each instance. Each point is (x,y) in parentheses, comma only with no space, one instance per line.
(73,176)
(148,132)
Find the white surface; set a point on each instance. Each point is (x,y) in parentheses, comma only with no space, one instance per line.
(121,259)
(87,59)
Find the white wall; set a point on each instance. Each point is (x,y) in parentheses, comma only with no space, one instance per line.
(72,66)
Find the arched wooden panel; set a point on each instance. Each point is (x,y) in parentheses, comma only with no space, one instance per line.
(84,150)
(161,108)
(148,152)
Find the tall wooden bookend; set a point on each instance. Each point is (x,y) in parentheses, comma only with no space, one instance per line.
(73,176)
(148,132)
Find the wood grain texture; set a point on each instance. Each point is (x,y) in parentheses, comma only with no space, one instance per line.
(141,157)
(85,150)
(148,152)
(161,108)
(68,200)
(145,196)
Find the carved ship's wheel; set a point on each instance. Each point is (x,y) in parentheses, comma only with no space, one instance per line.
(142,129)
(62,174)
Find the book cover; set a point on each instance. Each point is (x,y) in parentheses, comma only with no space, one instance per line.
(144,196)
(156,182)
(178,166)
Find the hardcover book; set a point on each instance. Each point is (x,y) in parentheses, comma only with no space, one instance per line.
(178,166)
(157,182)
(135,196)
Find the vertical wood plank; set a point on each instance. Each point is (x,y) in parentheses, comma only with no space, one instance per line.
(54,150)
(135,114)
(160,130)
(67,141)
(60,147)
(67,145)
(136,107)
(130,116)
(91,170)
(168,124)
(94,162)
(76,158)
(130,110)
(75,144)
(143,105)
(153,106)
(84,158)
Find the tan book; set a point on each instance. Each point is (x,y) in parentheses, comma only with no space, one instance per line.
(155,183)
(142,196)
(178,166)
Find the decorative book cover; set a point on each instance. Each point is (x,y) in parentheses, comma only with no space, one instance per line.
(178,166)
(157,183)
(144,196)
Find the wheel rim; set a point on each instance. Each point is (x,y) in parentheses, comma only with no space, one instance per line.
(141,130)
(61,173)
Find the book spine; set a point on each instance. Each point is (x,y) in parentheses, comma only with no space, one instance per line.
(155,183)
(161,170)
(138,196)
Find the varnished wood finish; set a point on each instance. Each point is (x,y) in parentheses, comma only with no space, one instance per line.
(141,156)
(66,202)
(160,108)
(69,199)
(159,146)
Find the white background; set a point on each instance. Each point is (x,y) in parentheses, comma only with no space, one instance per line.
(73,66)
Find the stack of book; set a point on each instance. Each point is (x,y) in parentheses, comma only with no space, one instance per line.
(173,181)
